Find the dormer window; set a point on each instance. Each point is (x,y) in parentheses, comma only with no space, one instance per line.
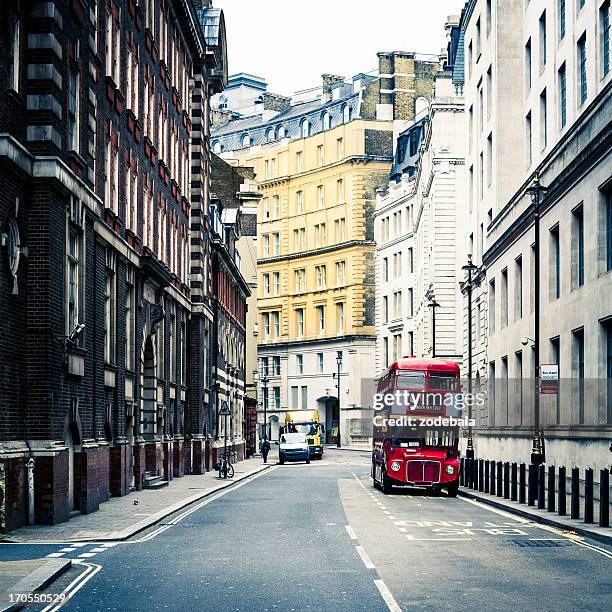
(270,135)
(346,113)
(326,120)
(246,140)
(216,146)
(305,128)
(280,132)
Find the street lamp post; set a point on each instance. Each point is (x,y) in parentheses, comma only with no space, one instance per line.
(470,268)
(433,305)
(536,191)
(264,383)
(339,364)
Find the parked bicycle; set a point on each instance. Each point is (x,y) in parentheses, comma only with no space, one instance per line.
(226,469)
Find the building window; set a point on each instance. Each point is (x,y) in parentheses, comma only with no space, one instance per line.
(246,140)
(299,199)
(321,275)
(604,29)
(280,132)
(582,69)
(397,346)
(299,161)
(518,289)
(320,196)
(563,95)
(172,344)
(276,392)
(543,120)
(299,319)
(385,352)
(320,158)
(276,323)
(266,325)
(130,320)
(276,365)
(385,309)
(321,318)
(320,362)
(72,276)
(346,113)
(491,307)
(109,312)
(529,139)
(340,317)
(528,66)
(276,206)
(561,19)
(276,282)
(542,26)
(340,273)
(340,191)
(578,247)
(608,221)
(489,91)
(300,280)
(326,121)
(276,243)
(340,148)
(411,302)
(305,128)
(397,304)
(14,57)
(555,264)
(489,17)
(74,80)
(299,362)
(578,370)
(490,159)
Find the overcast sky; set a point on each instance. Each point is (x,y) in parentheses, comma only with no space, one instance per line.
(292,42)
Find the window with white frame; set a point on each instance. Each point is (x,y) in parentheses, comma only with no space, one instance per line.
(340,317)
(276,243)
(266,325)
(340,191)
(276,282)
(320,196)
(266,284)
(321,319)
(299,322)
(14,56)
(320,158)
(130,319)
(276,323)
(74,105)
(300,280)
(299,161)
(299,201)
(73,271)
(266,245)
(340,273)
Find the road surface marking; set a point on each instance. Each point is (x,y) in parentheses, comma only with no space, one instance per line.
(386,595)
(403,529)
(572,538)
(97,550)
(68,549)
(391,517)
(350,531)
(110,544)
(329,524)
(413,539)
(56,554)
(364,557)
(87,555)
(75,585)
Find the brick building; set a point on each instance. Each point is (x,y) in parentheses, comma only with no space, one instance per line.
(104,373)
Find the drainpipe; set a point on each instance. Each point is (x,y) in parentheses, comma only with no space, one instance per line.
(30,468)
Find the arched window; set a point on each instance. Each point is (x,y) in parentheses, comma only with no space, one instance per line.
(346,113)
(421,106)
(305,128)
(280,132)
(270,135)
(326,120)
(216,146)
(246,140)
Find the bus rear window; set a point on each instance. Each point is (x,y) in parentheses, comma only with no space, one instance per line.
(410,380)
(442,381)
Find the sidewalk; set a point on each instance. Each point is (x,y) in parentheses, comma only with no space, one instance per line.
(122,517)
(589,530)
(26,577)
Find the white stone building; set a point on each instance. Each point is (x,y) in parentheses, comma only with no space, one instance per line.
(417,221)
(537,94)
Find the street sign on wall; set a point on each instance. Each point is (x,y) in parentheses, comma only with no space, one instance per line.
(549,378)
(225,409)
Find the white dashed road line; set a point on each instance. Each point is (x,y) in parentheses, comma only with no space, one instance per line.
(386,595)
(350,532)
(364,557)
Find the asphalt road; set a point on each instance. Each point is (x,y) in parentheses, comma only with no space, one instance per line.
(319,537)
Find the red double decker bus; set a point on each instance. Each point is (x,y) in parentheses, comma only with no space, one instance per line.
(418,449)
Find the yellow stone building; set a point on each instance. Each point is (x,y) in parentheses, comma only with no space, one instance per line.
(318,165)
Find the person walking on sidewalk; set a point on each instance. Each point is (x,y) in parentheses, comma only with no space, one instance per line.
(265,449)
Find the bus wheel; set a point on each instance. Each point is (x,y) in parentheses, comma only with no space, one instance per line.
(453,489)
(386,484)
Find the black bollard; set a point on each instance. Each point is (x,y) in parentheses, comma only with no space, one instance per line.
(462,472)
(513,482)
(532,488)
(507,480)
(604,498)
(486,476)
(588,495)
(551,488)
(522,483)
(475,474)
(541,487)
(500,481)
(493,483)
(575,503)
(470,473)
(480,474)
(562,492)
